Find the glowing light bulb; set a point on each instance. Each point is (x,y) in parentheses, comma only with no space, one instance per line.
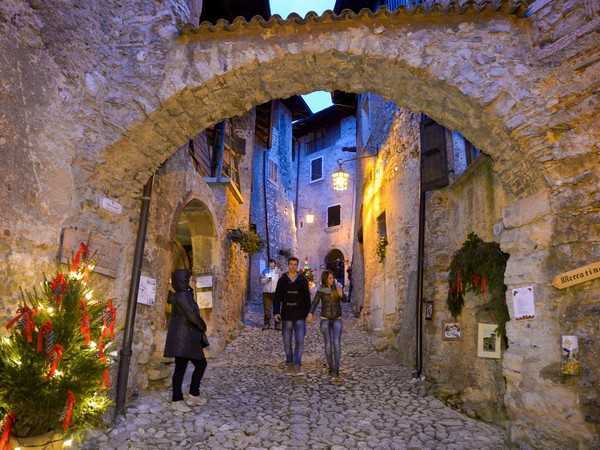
(93,345)
(50,310)
(68,443)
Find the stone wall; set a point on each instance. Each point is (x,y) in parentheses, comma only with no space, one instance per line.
(316,239)
(390,187)
(280,215)
(472,203)
(177,184)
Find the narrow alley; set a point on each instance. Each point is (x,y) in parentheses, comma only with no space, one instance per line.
(253,403)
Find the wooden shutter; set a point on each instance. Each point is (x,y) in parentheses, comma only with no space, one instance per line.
(434,162)
(316,169)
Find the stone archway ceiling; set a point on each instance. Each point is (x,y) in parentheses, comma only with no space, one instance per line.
(435,7)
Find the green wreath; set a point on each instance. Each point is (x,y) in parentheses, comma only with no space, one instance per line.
(479,267)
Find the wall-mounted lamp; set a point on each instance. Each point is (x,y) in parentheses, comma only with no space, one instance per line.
(341,178)
(310,218)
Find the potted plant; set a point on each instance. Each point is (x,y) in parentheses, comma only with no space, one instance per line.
(249,241)
(54,363)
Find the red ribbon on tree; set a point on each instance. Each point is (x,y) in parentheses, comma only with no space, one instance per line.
(46,329)
(7,425)
(106,378)
(26,314)
(81,253)
(69,410)
(58,286)
(84,326)
(55,357)
(109,317)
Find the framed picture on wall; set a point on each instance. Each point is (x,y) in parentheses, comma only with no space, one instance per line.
(428,310)
(451,331)
(488,341)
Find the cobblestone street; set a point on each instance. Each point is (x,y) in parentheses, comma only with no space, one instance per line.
(253,403)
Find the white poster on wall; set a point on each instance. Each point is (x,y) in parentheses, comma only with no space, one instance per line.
(204,291)
(524,303)
(147,291)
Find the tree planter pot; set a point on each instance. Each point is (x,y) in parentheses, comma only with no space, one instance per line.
(49,441)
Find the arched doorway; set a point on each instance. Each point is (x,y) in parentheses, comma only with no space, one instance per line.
(335,262)
(194,248)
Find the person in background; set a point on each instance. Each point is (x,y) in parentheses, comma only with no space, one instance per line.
(292,304)
(186,339)
(329,296)
(269,278)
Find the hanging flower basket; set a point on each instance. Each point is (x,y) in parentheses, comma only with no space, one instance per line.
(382,244)
(249,241)
(479,267)
(54,364)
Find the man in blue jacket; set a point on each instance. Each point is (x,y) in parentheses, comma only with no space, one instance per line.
(292,305)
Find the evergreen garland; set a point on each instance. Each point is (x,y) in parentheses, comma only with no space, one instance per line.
(382,244)
(54,364)
(479,267)
(249,241)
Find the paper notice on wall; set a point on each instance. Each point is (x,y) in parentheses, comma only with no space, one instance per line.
(204,291)
(147,291)
(523,303)
(204,281)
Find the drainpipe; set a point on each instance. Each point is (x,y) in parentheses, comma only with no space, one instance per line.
(420,272)
(298,147)
(266,206)
(125,353)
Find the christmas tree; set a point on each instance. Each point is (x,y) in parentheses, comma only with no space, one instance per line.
(54,363)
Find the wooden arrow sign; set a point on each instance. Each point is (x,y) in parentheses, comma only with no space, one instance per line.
(577,276)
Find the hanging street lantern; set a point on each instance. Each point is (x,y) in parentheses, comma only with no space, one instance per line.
(341,178)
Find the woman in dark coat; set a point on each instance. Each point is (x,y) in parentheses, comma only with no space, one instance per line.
(186,337)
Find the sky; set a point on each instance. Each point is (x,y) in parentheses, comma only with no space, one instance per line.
(317,100)
(285,7)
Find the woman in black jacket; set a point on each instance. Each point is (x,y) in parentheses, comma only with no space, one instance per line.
(186,337)
(330,296)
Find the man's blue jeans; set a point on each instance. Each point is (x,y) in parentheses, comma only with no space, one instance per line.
(294,346)
(332,337)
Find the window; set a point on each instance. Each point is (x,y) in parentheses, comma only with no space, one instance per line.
(464,153)
(316,169)
(334,216)
(273,171)
(471,152)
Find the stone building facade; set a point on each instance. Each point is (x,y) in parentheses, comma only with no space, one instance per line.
(325,216)
(124,85)
(185,194)
(273,184)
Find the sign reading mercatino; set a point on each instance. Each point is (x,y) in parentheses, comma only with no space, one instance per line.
(577,276)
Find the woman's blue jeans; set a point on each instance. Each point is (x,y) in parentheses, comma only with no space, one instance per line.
(332,337)
(293,346)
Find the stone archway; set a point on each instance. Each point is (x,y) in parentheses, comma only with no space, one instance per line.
(335,262)
(195,233)
(524,89)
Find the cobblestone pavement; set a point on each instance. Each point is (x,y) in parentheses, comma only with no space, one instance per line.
(252,402)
